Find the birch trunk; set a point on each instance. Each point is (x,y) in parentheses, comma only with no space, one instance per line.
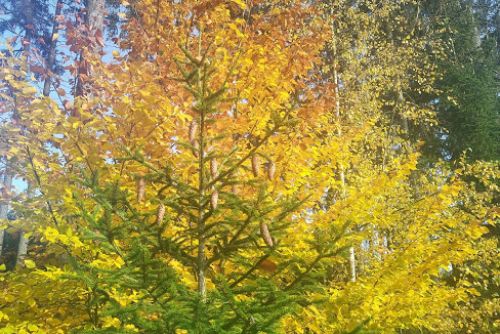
(352,260)
(28,14)
(22,248)
(376,244)
(94,20)
(95,15)
(352,257)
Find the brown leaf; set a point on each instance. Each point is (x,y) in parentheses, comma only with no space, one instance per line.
(60,91)
(268,266)
(98,38)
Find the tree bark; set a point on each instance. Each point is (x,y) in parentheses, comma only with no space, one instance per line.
(201,262)
(94,20)
(95,15)
(51,59)
(22,247)
(4,204)
(28,14)
(352,260)
(352,257)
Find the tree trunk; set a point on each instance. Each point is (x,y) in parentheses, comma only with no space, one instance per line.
(4,204)
(376,244)
(28,14)
(51,59)
(352,261)
(95,15)
(352,257)
(94,20)
(201,263)
(22,247)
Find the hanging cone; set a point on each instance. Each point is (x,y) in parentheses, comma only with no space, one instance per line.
(214,168)
(255,165)
(141,189)
(266,236)
(271,170)
(192,131)
(196,148)
(160,214)
(214,199)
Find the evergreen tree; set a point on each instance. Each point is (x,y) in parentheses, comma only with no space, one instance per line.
(469,105)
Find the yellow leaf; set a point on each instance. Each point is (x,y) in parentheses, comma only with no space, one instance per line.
(9,298)
(32,328)
(29,264)
(240,3)
(3,316)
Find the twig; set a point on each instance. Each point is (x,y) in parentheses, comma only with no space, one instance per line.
(39,183)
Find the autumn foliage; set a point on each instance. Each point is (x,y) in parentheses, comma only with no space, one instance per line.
(242,167)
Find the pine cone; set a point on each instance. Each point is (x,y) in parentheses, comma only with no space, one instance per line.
(214,199)
(192,131)
(160,214)
(266,236)
(255,165)
(214,168)
(271,170)
(141,189)
(196,148)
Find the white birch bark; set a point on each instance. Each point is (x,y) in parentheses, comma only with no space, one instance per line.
(22,248)
(352,261)
(352,251)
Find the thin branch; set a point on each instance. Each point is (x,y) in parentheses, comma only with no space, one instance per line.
(39,183)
